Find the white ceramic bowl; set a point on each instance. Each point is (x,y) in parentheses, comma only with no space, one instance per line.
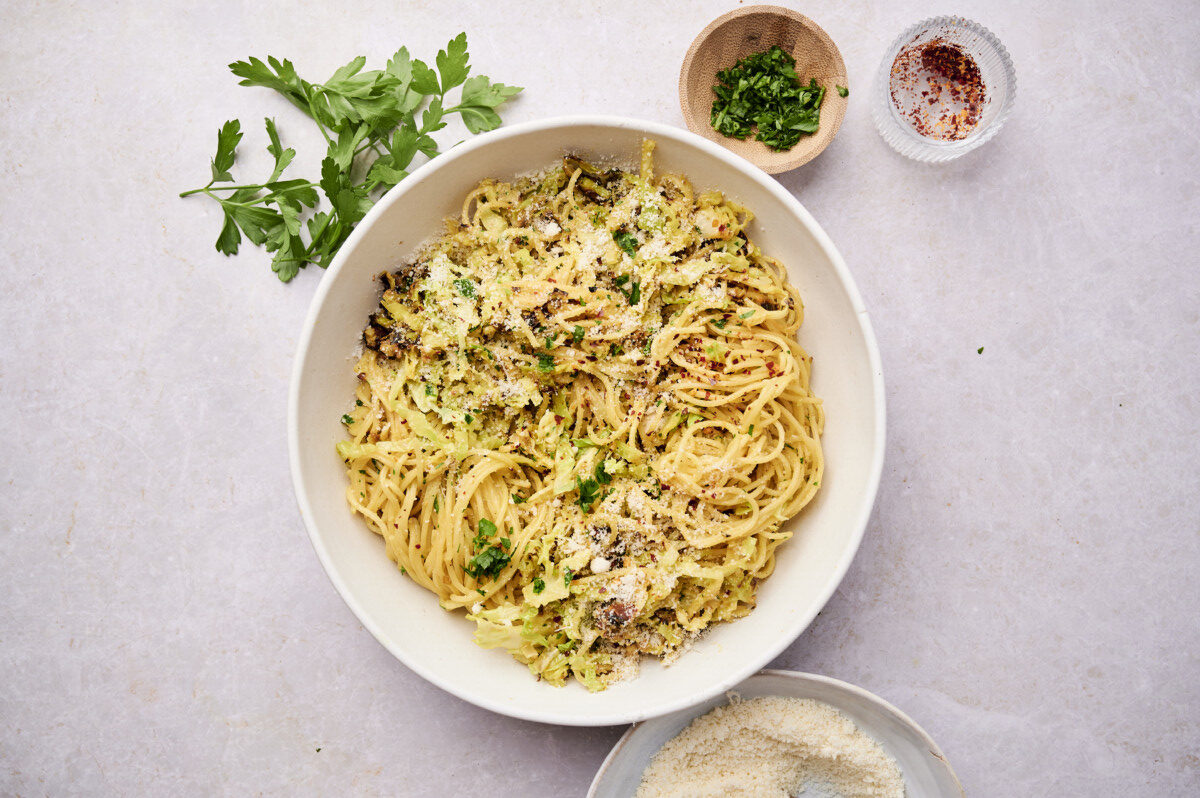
(927,773)
(405,618)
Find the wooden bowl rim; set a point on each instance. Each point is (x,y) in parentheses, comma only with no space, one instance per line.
(768,160)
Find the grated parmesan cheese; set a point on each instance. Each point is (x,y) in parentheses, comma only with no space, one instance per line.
(772,747)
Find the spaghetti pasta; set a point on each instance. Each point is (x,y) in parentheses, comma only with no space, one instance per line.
(582,417)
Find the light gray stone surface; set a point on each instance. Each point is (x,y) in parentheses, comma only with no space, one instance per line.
(1027,587)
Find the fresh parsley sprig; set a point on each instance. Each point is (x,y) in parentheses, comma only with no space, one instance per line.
(762,91)
(369,120)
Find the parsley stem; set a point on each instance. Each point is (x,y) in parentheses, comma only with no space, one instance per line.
(312,111)
(370,145)
(210,188)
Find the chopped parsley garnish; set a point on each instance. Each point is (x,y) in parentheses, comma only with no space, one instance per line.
(634,294)
(842,91)
(545,362)
(428,389)
(358,403)
(577,334)
(465,287)
(746,315)
(626,241)
(550,340)
(468,417)
(602,476)
(979,351)
(348,421)
(751,429)
(489,560)
(719,323)
(567,577)
(539,585)
(436,507)
(762,91)
(614,350)
(517,499)
(589,493)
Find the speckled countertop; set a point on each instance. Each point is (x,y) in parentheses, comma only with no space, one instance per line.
(1027,587)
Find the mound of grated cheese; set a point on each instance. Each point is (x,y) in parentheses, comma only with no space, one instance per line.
(772,747)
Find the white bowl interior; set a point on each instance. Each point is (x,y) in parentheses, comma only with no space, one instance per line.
(405,618)
(926,771)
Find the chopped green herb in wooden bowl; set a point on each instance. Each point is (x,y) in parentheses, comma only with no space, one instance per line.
(766,83)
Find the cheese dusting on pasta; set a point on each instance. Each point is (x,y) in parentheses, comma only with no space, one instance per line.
(582,417)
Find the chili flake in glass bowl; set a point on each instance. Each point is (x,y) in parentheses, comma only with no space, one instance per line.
(945,86)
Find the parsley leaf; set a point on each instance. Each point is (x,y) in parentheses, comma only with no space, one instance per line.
(465,287)
(634,294)
(452,63)
(480,98)
(227,140)
(489,560)
(626,241)
(539,585)
(369,120)
(842,91)
(545,362)
(589,491)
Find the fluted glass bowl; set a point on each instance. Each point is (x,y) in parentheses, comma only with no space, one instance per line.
(995,68)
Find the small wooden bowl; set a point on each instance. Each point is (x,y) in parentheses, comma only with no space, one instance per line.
(736,35)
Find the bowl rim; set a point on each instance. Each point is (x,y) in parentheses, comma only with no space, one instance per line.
(934,750)
(655,130)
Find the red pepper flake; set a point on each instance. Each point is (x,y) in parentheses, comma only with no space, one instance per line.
(938,88)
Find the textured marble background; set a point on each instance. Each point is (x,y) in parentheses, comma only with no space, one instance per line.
(1027,589)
